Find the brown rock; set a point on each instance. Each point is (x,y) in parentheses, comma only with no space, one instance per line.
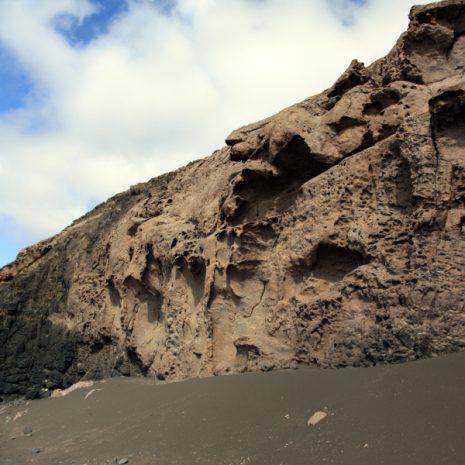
(332,233)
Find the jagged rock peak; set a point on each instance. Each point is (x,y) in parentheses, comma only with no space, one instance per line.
(331,233)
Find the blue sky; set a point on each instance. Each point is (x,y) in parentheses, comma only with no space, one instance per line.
(15,84)
(80,32)
(10,243)
(98,95)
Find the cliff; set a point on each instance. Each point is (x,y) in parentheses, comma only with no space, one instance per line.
(332,233)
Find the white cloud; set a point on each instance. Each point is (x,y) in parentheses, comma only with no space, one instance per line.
(159,90)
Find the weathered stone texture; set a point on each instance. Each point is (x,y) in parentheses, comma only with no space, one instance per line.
(331,233)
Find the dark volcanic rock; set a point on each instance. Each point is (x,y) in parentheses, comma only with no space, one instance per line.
(332,233)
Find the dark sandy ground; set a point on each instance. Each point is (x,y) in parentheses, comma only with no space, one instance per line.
(394,415)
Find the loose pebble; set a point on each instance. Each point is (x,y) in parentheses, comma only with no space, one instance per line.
(316,418)
(27,431)
(20,414)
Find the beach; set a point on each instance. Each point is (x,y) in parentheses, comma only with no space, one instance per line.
(403,414)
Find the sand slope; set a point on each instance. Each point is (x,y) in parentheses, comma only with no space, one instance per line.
(404,414)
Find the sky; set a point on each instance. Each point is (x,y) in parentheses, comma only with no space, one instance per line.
(97,95)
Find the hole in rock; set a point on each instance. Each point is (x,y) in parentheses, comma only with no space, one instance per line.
(458,186)
(367,142)
(448,119)
(136,361)
(262,193)
(155,271)
(345,122)
(381,100)
(151,300)
(115,298)
(246,350)
(332,262)
(132,230)
(195,273)
(193,270)
(297,163)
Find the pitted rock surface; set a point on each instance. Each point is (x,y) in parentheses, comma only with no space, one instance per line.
(332,233)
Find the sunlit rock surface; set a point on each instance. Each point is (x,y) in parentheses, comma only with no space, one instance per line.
(332,233)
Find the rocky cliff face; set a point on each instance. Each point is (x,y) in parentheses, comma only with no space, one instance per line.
(331,233)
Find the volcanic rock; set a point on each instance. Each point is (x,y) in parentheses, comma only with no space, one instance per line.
(332,233)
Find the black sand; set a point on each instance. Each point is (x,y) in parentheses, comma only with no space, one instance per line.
(405,414)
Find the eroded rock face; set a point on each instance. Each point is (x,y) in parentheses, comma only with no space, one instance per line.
(332,233)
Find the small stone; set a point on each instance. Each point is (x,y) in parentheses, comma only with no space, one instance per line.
(316,418)
(35,450)
(20,414)
(365,446)
(27,431)
(123,461)
(287,416)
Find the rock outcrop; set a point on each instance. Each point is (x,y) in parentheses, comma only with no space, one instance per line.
(332,233)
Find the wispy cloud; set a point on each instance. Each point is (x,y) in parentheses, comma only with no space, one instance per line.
(109,93)
(347,11)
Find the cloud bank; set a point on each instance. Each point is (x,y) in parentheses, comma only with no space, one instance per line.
(102,95)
